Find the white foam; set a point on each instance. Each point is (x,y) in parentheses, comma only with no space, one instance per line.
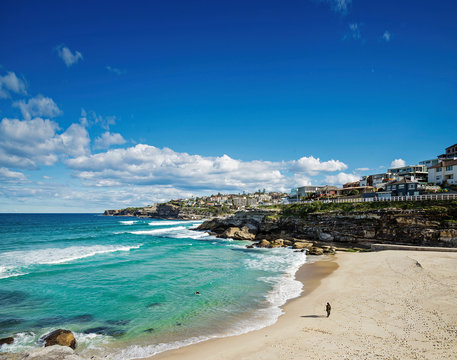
(177,222)
(129,222)
(158,232)
(14,262)
(22,342)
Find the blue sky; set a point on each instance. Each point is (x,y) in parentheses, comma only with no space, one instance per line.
(110,104)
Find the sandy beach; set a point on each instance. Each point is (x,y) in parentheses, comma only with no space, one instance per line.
(385,305)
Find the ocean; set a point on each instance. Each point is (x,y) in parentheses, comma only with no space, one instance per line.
(126,286)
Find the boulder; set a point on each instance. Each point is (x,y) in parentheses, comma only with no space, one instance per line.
(276,243)
(302,245)
(328,249)
(250,246)
(263,244)
(60,337)
(7,340)
(315,251)
(236,233)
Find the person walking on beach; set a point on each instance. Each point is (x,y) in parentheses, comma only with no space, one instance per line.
(328,308)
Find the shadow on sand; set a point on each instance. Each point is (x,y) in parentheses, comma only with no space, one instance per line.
(313,316)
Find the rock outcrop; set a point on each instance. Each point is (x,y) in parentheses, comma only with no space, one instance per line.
(7,340)
(60,337)
(358,228)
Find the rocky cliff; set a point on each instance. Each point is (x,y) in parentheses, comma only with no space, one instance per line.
(422,227)
(166,211)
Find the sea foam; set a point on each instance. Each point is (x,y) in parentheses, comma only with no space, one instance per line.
(14,262)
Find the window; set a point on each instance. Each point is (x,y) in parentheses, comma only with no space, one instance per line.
(402,186)
(438,169)
(438,178)
(449,168)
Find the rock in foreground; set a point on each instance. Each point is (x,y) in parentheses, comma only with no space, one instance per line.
(60,337)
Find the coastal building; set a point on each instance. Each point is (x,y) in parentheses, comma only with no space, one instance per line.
(328,191)
(356,190)
(445,172)
(304,190)
(411,172)
(450,153)
(429,163)
(376,180)
(405,187)
(351,184)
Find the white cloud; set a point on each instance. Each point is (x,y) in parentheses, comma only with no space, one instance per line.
(11,83)
(354,32)
(6,174)
(29,143)
(67,56)
(341,6)
(148,165)
(115,70)
(362,169)
(312,166)
(341,178)
(386,36)
(397,163)
(107,139)
(91,118)
(38,106)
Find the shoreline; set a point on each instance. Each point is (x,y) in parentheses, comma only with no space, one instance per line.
(405,299)
(309,274)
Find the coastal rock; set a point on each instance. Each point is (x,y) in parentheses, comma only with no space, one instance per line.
(55,352)
(302,245)
(277,243)
(315,251)
(238,234)
(7,340)
(328,249)
(263,244)
(60,337)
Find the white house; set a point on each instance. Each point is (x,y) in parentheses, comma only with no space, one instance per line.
(444,171)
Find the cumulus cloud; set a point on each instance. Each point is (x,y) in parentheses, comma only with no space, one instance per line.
(10,83)
(386,36)
(341,178)
(397,163)
(67,56)
(29,143)
(107,139)
(148,165)
(362,169)
(38,106)
(8,175)
(312,166)
(340,6)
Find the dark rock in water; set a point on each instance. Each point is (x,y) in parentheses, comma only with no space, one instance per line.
(82,318)
(55,320)
(149,330)
(179,324)
(12,297)
(250,246)
(7,340)
(151,305)
(263,244)
(60,337)
(105,330)
(118,322)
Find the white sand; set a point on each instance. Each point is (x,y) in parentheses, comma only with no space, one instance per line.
(384,306)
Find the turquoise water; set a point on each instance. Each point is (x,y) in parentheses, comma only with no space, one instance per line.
(126,286)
